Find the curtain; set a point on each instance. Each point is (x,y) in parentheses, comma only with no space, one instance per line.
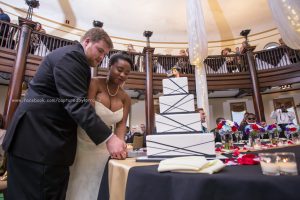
(286,14)
(198,51)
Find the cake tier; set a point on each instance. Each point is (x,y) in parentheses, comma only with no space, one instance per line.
(175,86)
(176,103)
(178,122)
(202,144)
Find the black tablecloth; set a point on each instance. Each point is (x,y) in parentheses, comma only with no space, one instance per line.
(234,182)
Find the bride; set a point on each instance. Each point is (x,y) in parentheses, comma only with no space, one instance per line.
(112,104)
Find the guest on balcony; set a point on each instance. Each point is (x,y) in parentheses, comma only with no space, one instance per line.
(182,52)
(183,62)
(293,55)
(137,59)
(36,38)
(239,59)
(4,30)
(130,48)
(176,71)
(157,67)
(231,65)
(4,16)
(243,47)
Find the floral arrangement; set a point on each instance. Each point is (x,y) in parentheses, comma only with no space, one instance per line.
(291,128)
(273,128)
(254,130)
(227,126)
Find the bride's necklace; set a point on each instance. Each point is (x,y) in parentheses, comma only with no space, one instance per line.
(110,94)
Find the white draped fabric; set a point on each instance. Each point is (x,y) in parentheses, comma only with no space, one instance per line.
(198,50)
(286,14)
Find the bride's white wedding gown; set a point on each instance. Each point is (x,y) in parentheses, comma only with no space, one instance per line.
(90,160)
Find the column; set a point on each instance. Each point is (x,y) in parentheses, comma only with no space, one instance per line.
(257,99)
(15,85)
(149,105)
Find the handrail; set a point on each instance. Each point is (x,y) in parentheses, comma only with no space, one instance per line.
(42,44)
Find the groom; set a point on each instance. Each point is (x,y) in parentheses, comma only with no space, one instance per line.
(41,139)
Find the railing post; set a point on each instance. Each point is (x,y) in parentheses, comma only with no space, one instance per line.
(257,99)
(148,52)
(15,85)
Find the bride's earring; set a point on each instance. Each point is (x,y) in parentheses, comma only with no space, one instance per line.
(107,78)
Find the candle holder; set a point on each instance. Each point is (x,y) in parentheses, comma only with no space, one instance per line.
(287,163)
(296,138)
(268,163)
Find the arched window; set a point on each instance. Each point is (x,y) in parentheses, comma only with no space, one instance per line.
(271,45)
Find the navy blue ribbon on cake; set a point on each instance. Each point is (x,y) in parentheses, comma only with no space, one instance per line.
(176,105)
(184,127)
(179,88)
(178,149)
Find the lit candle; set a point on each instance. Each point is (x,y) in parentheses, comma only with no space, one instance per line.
(288,168)
(268,163)
(269,168)
(257,146)
(280,143)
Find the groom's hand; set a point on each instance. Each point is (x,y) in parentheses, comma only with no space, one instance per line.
(116,147)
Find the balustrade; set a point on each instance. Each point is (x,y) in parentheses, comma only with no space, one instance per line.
(9,35)
(42,44)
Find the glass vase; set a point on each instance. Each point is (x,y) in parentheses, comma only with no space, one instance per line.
(227,140)
(295,137)
(254,141)
(273,137)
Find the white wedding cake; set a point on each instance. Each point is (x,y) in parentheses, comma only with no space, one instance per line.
(178,126)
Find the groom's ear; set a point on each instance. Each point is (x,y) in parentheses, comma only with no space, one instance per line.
(86,41)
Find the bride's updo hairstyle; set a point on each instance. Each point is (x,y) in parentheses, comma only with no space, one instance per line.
(121,55)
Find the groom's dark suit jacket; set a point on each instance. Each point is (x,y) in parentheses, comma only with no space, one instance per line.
(44,126)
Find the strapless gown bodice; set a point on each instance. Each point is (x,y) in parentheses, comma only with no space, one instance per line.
(107,116)
(90,160)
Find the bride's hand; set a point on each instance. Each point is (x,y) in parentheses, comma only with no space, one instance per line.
(120,156)
(116,147)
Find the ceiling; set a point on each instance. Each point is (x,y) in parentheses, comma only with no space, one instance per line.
(224,19)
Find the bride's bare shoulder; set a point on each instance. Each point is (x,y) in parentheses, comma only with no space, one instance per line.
(98,80)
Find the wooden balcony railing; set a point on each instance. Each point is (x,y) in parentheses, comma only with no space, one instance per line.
(161,63)
(42,44)
(226,64)
(214,65)
(9,35)
(276,57)
(234,64)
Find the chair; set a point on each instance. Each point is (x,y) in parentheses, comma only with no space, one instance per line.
(137,142)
